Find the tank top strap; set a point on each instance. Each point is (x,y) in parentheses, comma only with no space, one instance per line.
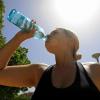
(77,77)
(83,80)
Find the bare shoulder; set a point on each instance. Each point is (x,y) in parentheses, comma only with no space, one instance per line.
(93,71)
(91,66)
(40,68)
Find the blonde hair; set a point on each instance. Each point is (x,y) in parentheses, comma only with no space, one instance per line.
(75,42)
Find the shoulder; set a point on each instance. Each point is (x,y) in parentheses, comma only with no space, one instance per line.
(38,70)
(91,66)
(41,67)
(93,71)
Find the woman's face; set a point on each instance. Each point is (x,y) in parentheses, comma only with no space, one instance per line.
(57,41)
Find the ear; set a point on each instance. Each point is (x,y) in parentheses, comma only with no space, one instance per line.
(78,56)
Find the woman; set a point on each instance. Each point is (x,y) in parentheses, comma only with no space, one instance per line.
(66,78)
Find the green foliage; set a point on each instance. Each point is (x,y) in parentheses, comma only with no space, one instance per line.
(22,98)
(2,9)
(9,93)
(19,57)
(2,40)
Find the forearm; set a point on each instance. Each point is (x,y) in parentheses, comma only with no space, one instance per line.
(12,45)
(8,50)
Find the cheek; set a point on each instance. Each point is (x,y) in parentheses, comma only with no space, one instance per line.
(48,47)
(51,45)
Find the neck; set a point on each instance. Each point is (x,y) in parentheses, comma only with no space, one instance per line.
(64,61)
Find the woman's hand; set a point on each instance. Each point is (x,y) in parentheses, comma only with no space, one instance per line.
(24,34)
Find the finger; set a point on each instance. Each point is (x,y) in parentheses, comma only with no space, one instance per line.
(33,30)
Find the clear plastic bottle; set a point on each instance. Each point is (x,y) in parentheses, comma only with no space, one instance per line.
(24,23)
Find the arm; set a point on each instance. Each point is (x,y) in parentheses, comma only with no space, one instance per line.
(22,75)
(11,46)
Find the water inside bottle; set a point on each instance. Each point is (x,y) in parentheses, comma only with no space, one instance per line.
(39,34)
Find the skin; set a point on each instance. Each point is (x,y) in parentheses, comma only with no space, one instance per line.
(63,46)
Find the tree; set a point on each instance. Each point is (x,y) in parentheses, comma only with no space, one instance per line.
(2,40)
(96,56)
(20,97)
(19,57)
(2,9)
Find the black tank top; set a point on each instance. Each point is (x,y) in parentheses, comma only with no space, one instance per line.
(45,89)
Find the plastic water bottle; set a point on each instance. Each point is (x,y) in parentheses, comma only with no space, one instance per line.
(24,23)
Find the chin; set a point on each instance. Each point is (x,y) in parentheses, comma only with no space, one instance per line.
(49,49)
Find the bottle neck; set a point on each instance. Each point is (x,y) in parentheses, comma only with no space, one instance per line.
(44,38)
